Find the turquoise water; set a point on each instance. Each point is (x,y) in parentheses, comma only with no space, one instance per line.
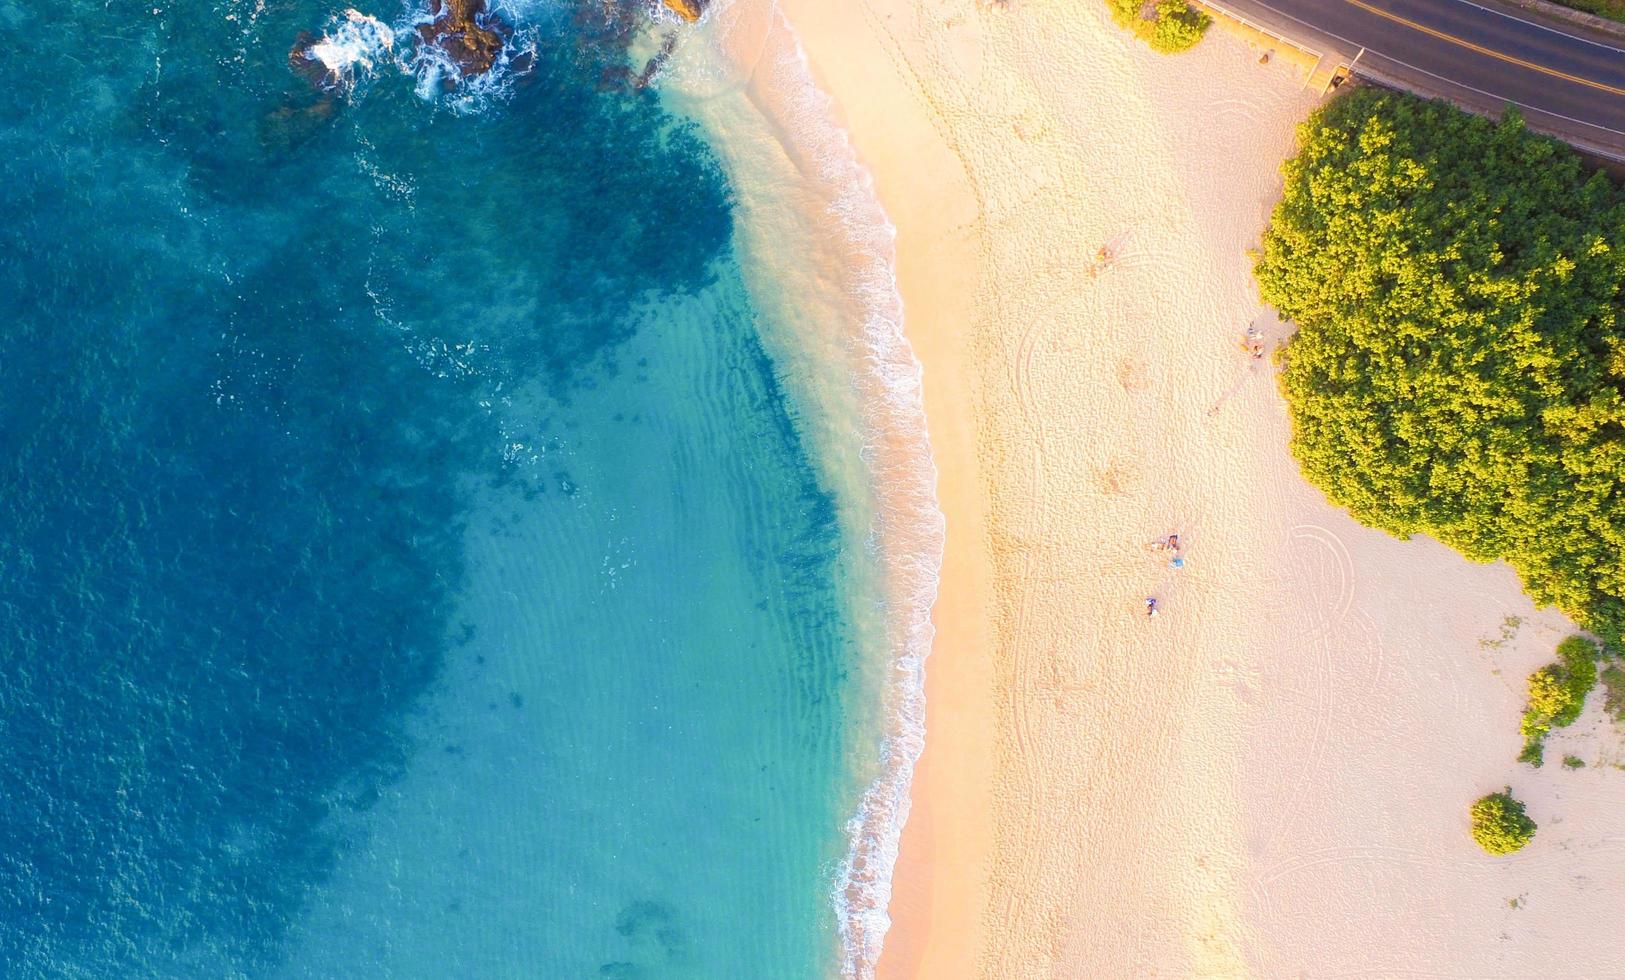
(410,563)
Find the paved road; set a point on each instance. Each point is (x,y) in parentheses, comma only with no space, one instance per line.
(1475,53)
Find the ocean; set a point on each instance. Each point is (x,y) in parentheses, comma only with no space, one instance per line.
(475,529)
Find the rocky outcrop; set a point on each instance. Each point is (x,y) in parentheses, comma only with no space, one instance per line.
(469,35)
(306,65)
(689,10)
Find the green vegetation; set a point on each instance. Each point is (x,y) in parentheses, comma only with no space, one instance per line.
(1613,691)
(1611,9)
(1509,631)
(1557,695)
(1459,370)
(1169,26)
(1573,762)
(1499,823)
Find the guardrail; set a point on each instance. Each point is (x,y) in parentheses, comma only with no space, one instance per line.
(1221,11)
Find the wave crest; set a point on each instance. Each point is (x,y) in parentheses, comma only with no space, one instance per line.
(351,49)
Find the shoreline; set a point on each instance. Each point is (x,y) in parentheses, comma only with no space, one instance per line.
(803,191)
(934,244)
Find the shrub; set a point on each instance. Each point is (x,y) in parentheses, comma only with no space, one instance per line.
(1169,26)
(1459,368)
(1548,695)
(1557,695)
(1499,823)
(1577,659)
(1573,762)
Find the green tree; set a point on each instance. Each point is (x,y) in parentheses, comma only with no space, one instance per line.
(1499,824)
(1459,368)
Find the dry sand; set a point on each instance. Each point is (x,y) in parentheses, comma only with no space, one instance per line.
(1272,777)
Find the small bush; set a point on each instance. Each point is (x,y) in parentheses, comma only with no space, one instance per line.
(1557,694)
(1169,26)
(1499,824)
(1573,762)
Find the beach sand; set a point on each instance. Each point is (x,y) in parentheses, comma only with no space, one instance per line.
(1272,777)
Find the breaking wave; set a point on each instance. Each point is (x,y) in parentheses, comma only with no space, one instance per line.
(358,43)
(356,46)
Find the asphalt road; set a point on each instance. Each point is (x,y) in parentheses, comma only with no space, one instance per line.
(1477,54)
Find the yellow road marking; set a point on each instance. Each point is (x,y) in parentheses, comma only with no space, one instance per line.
(1490,52)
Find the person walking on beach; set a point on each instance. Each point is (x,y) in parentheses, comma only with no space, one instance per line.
(1150,606)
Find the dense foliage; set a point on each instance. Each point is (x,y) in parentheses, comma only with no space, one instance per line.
(1557,694)
(1459,370)
(1169,26)
(1500,825)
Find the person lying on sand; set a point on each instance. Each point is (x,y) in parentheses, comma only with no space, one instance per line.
(1102,260)
(1150,606)
(1254,343)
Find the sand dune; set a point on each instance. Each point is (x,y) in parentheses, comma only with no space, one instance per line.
(1271,777)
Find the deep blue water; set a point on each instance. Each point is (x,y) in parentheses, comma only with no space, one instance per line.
(408,566)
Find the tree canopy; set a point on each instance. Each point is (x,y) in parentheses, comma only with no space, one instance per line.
(1499,824)
(1459,369)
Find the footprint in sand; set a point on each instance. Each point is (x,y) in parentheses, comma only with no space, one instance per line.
(1117,477)
(1133,374)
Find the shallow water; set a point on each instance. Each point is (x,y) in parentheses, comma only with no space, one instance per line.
(410,560)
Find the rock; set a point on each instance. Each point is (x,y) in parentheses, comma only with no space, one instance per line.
(689,10)
(308,66)
(469,36)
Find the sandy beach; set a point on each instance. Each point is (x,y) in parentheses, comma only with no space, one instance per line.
(1271,777)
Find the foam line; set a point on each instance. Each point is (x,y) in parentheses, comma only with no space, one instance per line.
(907,529)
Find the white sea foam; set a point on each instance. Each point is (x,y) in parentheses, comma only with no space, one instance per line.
(353,48)
(905,532)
